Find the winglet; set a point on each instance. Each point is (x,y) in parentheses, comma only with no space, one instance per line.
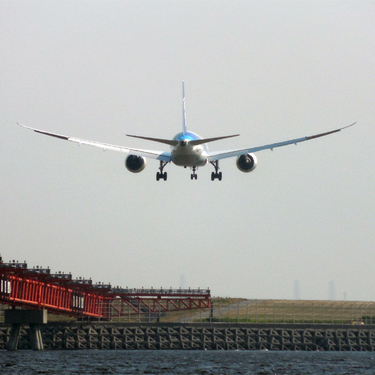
(45,133)
(330,132)
(183,109)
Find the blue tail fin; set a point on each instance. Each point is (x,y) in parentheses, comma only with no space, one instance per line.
(183,110)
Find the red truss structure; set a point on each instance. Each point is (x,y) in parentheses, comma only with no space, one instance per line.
(59,293)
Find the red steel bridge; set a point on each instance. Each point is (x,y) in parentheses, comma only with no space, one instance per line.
(59,293)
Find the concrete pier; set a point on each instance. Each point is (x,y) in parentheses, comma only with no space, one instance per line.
(12,344)
(31,318)
(194,336)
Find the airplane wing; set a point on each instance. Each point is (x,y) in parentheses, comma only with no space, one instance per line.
(159,155)
(217,155)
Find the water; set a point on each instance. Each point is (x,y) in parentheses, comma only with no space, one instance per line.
(186,362)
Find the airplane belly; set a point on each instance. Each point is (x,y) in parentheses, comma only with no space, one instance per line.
(189,158)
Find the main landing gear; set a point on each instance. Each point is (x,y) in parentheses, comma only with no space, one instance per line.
(216,175)
(161,175)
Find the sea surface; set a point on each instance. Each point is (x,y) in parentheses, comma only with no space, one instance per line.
(186,362)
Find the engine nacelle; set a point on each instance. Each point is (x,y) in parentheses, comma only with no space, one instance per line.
(135,163)
(246,162)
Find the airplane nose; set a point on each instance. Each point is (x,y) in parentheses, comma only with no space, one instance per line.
(183,143)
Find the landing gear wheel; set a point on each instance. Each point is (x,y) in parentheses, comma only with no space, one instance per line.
(215,176)
(162,176)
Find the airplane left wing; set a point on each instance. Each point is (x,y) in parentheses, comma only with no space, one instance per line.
(159,155)
(217,155)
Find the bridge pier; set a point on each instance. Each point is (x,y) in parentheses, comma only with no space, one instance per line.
(32,318)
(35,337)
(14,336)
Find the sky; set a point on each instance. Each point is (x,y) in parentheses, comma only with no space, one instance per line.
(268,70)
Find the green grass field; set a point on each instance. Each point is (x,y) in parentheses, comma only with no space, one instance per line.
(285,311)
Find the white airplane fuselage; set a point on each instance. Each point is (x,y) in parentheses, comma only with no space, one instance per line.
(188,155)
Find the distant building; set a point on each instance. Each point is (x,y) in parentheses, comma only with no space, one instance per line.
(331,291)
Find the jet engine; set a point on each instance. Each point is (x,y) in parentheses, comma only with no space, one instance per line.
(246,162)
(135,163)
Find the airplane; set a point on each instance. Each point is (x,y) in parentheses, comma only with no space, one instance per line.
(187,150)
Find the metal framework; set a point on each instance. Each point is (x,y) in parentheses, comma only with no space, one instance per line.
(59,293)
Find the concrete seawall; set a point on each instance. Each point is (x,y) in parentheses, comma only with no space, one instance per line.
(198,336)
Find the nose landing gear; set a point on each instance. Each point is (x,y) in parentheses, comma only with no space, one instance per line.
(194,175)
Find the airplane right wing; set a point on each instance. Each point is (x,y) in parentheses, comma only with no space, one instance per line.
(217,155)
(158,155)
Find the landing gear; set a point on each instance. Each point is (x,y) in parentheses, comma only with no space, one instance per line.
(161,175)
(216,175)
(194,175)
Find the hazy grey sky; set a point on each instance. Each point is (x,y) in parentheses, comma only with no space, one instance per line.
(269,70)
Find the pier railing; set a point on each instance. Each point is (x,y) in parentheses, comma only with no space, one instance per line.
(58,293)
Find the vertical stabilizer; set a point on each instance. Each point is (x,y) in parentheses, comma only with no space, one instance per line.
(183,109)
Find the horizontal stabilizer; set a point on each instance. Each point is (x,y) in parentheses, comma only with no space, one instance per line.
(170,142)
(173,142)
(206,140)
